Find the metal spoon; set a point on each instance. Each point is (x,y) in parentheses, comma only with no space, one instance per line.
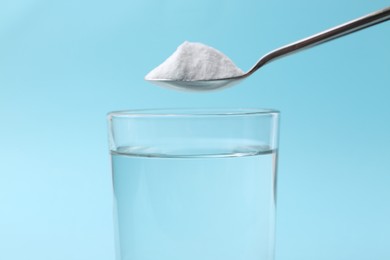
(306,43)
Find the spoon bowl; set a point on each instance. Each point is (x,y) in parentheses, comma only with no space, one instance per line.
(198,85)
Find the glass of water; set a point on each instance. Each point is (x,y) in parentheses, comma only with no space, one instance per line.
(193,184)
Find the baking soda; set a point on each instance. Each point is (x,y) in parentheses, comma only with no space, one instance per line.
(193,62)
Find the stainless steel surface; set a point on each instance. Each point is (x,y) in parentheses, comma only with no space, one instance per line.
(314,40)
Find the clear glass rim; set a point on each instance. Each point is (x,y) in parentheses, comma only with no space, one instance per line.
(193,112)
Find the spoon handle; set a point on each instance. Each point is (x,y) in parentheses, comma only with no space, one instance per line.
(325,36)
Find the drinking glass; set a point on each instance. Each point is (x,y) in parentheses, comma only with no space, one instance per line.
(194,184)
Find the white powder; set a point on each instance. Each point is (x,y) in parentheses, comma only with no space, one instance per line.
(195,61)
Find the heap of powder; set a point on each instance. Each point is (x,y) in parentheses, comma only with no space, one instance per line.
(195,61)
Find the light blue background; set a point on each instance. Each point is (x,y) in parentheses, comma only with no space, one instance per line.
(65,64)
